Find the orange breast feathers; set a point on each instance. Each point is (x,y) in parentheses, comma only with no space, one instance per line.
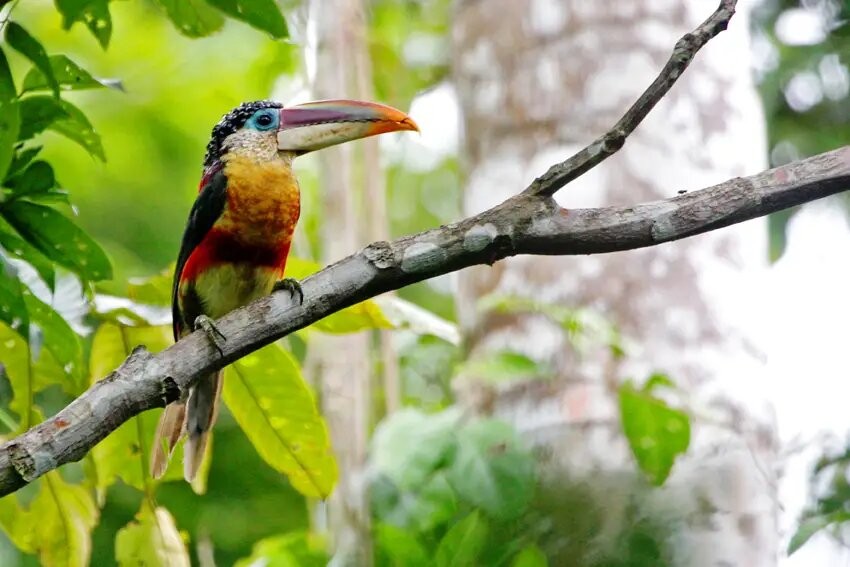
(256,226)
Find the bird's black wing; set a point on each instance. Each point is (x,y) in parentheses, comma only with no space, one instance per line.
(206,210)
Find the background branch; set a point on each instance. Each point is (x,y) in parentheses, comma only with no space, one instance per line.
(525,224)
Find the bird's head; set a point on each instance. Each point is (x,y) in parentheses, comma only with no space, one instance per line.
(265,129)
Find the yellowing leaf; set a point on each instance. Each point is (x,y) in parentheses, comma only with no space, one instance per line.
(151,540)
(275,408)
(57,525)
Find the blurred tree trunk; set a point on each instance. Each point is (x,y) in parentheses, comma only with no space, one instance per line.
(350,175)
(536,81)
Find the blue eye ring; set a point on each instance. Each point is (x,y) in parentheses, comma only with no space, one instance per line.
(265,119)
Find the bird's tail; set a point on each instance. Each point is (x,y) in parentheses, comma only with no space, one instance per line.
(195,417)
(201,413)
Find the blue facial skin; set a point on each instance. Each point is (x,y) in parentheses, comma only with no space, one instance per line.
(264,120)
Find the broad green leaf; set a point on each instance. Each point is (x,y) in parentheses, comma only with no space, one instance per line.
(58,338)
(10,124)
(57,525)
(21,249)
(69,75)
(193,18)
(530,556)
(811,526)
(94,13)
(21,40)
(58,238)
(275,408)
(8,92)
(76,127)
(503,366)
(463,543)
(152,290)
(410,445)
(37,114)
(492,470)
(151,540)
(657,433)
(419,509)
(295,549)
(401,547)
(14,352)
(22,159)
(38,177)
(261,14)
(13,310)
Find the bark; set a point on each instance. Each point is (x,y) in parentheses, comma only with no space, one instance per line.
(536,78)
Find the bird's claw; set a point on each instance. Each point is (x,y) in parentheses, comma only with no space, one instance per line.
(292,286)
(216,337)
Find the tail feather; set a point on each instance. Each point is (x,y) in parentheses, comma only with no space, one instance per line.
(201,413)
(167,434)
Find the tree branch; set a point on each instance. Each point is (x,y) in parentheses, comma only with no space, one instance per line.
(529,223)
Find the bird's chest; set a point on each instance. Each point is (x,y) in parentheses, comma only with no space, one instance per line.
(263,203)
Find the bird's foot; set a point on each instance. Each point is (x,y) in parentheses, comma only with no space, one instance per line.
(292,286)
(216,337)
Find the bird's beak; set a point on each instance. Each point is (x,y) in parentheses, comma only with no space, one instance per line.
(316,125)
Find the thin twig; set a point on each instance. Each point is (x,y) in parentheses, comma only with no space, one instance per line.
(604,147)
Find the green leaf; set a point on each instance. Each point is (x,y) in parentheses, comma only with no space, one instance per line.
(58,238)
(530,556)
(10,125)
(410,445)
(401,546)
(492,470)
(193,18)
(20,39)
(94,13)
(295,549)
(38,177)
(13,310)
(152,290)
(58,337)
(76,127)
(14,352)
(811,526)
(503,366)
(657,433)
(420,509)
(275,408)
(151,540)
(8,92)
(261,14)
(37,114)
(463,543)
(22,159)
(23,250)
(69,75)
(57,525)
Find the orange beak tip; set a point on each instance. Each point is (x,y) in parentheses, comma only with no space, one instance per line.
(409,124)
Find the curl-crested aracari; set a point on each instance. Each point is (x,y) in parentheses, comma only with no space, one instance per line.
(239,231)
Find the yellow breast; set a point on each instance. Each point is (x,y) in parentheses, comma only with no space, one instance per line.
(263,201)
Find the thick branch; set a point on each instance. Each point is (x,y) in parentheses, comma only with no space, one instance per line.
(525,224)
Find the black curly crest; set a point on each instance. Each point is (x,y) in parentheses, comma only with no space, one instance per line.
(230,123)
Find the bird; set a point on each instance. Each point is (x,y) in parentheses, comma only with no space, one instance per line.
(239,232)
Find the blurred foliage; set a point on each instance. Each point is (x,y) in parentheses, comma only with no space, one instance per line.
(801,55)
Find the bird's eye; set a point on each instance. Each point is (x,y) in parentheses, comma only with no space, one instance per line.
(264,120)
